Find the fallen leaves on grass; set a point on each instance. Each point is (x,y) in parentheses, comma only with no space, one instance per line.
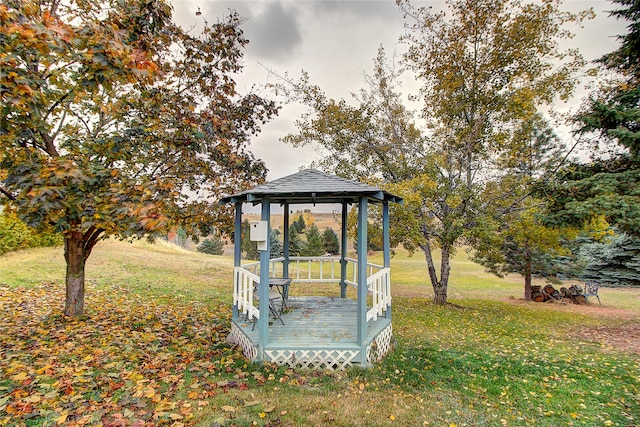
(131,362)
(518,362)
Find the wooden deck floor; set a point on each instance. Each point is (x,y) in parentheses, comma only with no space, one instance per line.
(315,322)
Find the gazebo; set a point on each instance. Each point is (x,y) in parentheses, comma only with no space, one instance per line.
(317,331)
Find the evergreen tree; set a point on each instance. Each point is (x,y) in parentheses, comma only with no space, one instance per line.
(294,228)
(301,224)
(249,248)
(295,242)
(614,262)
(610,120)
(330,241)
(212,246)
(275,245)
(518,242)
(315,244)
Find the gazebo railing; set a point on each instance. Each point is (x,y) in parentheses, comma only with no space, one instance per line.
(380,289)
(328,270)
(243,285)
(303,270)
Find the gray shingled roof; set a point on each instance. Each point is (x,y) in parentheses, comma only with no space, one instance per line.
(311,186)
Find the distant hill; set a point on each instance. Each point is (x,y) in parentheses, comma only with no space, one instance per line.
(321,220)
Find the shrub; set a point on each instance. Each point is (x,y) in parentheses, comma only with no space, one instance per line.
(212,246)
(16,235)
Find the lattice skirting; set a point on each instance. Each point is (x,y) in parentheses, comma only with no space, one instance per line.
(381,345)
(315,359)
(331,359)
(237,337)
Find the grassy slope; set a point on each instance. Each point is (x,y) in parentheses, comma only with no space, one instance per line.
(487,359)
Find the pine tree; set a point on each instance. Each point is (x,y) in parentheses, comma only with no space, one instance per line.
(330,241)
(301,224)
(212,246)
(275,246)
(315,245)
(611,119)
(248,247)
(295,242)
(615,262)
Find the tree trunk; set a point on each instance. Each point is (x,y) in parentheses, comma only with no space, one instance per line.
(76,257)
(426,248)
(439,286)
(440,293)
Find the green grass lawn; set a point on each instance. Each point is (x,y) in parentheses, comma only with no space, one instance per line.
(152,351)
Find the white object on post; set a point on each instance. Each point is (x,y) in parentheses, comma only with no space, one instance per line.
(258,233)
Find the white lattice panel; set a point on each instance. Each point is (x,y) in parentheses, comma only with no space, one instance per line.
(237,337)
(381,345)
(314,359)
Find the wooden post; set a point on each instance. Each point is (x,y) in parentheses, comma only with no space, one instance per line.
(285,250)
(237,248)
(343,252)
(263,287)
(386,246)
(362,273)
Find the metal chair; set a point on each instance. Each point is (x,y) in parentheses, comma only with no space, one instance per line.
(275,299)
(591,290)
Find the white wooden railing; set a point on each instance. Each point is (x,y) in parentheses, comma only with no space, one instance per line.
(328,270)
(243,284)
(379,286)
(301,271)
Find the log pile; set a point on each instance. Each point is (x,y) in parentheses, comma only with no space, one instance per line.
(548,293)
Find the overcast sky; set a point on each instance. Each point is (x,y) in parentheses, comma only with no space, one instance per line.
(336,41)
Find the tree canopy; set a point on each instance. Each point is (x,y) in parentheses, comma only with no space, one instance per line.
(117,122)
(314,245)
(609,124)
(485,69)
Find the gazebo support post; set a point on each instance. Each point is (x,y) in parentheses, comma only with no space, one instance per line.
(237,245)
(362,273)
(285,249)
(386,245)
(343,252)
(263,287)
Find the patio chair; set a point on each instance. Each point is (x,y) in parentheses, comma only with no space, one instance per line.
(591,290)
(275,300)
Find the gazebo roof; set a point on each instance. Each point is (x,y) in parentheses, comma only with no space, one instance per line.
(311,186)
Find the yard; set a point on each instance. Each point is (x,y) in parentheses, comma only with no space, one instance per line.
(152,351)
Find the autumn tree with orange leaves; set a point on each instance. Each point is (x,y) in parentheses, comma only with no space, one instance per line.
(114,121)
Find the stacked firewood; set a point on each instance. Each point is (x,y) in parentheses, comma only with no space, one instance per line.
(548,293)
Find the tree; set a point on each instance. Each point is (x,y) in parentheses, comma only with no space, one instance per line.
(515,240)
(610,123)
(300,223)
(330,241)
(295,241)
(212,246)
(293,227)
(314,245)
(113,118)
(522,245)
(374,235)
(16,235)
(484,67)
(275,245)
(613,262)
(249,247)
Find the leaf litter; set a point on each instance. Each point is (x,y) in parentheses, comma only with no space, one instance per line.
(132,361)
